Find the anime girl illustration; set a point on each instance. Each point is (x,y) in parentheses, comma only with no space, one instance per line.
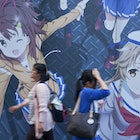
(21,37)
(120,114)
(59,8)
(117,15)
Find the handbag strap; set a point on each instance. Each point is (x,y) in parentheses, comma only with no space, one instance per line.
(91,110)
(77,107)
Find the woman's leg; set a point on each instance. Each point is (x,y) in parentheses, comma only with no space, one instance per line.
(48,135)
(31,133)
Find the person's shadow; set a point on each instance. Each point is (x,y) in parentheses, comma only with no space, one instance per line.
(93,13)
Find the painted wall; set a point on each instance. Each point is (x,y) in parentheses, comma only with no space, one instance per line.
(92,42)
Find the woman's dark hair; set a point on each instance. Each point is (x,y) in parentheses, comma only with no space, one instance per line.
(87,76)
(42,70)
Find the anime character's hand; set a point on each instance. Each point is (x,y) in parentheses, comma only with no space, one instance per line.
(85,1)
(63,4)
(81,7)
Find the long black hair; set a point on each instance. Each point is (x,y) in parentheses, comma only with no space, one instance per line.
(86,76)
(42,70)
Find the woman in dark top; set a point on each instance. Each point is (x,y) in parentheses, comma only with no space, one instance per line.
(86,87)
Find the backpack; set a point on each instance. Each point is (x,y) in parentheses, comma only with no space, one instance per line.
(56,107)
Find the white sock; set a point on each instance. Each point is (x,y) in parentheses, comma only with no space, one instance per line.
(118,28)
(109,24)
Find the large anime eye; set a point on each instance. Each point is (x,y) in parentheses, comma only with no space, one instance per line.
(3,43)
(133,72)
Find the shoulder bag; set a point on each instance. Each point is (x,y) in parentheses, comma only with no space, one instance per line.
(83,125)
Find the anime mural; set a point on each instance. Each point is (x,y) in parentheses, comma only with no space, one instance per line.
(120,112)
(117,14)
(22,33)
(70,36)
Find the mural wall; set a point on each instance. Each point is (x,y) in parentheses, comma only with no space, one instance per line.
(106,37)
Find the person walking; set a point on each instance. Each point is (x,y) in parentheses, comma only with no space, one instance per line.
(86,89)
(40,117)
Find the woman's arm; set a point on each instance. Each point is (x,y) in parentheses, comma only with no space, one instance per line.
(97,94)
(96,74)
(14,108)
(43,95)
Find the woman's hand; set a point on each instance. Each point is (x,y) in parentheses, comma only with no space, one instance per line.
(100,104)
(40,127)
(96,73)
(13,109)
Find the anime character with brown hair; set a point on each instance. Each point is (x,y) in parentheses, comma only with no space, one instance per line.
(21,37)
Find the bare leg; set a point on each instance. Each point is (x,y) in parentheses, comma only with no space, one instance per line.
(118,28)
(109,21)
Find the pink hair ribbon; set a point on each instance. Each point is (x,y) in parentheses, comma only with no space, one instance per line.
(5,2)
